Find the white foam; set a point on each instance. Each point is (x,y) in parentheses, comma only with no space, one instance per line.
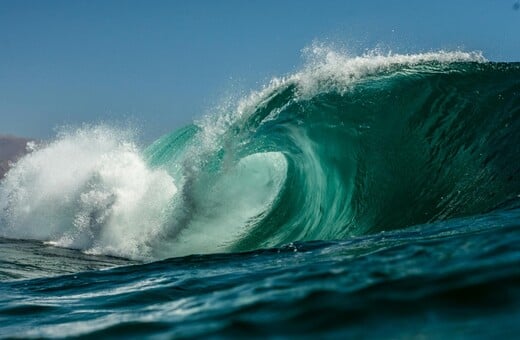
(89,189)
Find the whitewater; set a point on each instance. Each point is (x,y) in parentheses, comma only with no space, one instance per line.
(361,195)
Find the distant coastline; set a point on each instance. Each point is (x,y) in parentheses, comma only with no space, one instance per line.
(11,149)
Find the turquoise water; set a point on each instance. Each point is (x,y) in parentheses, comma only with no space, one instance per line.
(361,196)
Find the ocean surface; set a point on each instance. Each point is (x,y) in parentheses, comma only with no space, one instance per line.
(375,196)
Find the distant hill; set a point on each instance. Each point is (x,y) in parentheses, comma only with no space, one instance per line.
(11,148)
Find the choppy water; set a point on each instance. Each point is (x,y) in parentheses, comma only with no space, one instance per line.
(369,196)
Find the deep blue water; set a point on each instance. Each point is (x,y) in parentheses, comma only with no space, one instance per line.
(456,279)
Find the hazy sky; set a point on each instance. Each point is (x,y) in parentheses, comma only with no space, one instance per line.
(162,63)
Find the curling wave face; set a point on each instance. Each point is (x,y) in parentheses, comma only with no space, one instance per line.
(345,147)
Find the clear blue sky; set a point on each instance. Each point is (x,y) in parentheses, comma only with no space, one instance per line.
(162,63)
